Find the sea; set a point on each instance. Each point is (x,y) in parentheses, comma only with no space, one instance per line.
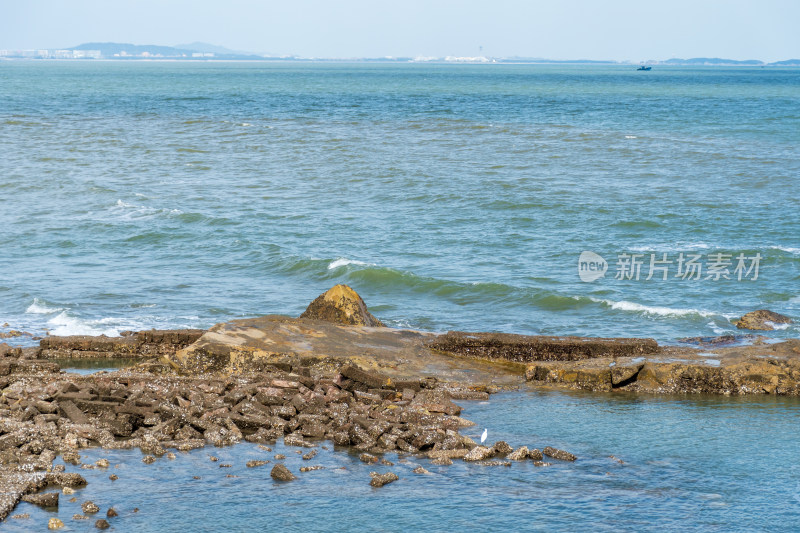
(591,200)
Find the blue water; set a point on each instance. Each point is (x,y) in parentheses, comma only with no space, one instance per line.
(137,195)
(689,464)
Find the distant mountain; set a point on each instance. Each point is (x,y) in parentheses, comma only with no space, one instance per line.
(196,50)
(212,49)
(787,63)
(711,61)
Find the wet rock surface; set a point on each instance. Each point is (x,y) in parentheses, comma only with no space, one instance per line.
(341,305)
(149,343)
(527,348)
(762,319)
(281,473)
(752,369)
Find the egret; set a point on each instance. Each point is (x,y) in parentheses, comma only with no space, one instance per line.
(484,435)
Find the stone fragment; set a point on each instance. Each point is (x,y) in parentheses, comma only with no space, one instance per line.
(762,320)
(555,453)
(341,305)
(479,453)
(281,473)
(89,507)
(55,523)
(47,499)
(520,454)
(379,480)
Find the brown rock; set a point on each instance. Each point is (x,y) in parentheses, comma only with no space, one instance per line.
(47,499)
(341,305)
(102,524)
(762,320)
(379,480)
(555,453)
(89,507)
(111,513)
(479,453)
(281,473)
(520,454)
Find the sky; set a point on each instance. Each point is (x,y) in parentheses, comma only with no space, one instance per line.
(634,30)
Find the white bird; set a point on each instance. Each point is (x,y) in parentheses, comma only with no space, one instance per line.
(484,435)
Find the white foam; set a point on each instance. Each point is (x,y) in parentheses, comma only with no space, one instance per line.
(38,307)
(663,248)
(131,211)
(343,261)
(63,324)
(788,249)
(631,137)
(654,310)
(777,326)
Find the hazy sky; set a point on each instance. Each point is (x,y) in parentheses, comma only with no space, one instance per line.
(558,29)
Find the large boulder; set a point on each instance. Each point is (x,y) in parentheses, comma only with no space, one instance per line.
(762,320)
(341,305)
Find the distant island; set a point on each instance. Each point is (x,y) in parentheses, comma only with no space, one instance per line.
(199,51)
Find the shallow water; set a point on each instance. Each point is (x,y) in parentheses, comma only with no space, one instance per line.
(691,463)
(138,195)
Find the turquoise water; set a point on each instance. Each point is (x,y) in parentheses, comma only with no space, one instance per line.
(689,464)
(137,195)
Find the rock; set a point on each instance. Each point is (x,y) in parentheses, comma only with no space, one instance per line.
(442,461)
(527,348)
(77,516)
(309,455)
(555,453)
(479,453)
(420,470)
(89,507)
(255,463)
(501,447)
(535,454)
(148,459)
(379,480)
(368,458)
(311,468)
(111,513)
(279,456)
(341,305)
(520,454)
(762,320)
(55,523)
(68,490)
(540,463)
(281,473)
(113,477)
(102,463)
(102,524)
(21,516)
(47,499)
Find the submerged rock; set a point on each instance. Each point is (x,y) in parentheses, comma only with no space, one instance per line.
(89,507)
(48,499)
(520,454)
(55,523)
(102,524)
(379,480)
(762,320)
(341,305)
(555,453)
(281,473)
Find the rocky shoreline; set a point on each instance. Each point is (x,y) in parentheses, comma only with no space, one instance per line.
(335,374)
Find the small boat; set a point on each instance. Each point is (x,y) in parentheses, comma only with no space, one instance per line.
(644,68)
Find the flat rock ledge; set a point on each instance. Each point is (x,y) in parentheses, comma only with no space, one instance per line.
(528,348)
(149,343)
(757,369)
